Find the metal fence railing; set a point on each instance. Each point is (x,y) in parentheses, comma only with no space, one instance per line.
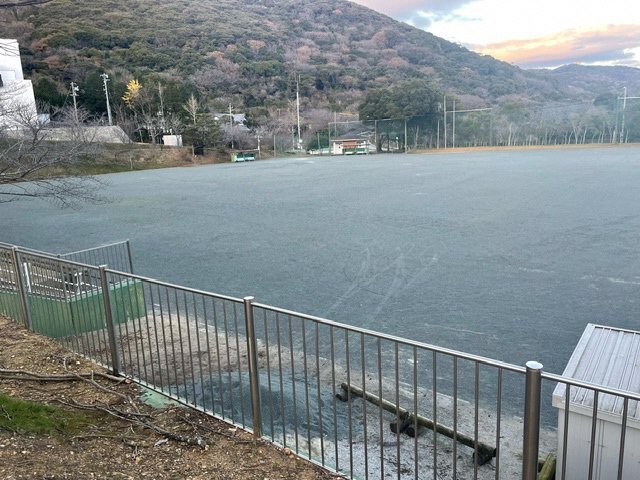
(116,255)
(358,402)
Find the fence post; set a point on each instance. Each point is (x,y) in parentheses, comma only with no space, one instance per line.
(531,421)
(22,292)
(252,356)
(129,254)
(108,316)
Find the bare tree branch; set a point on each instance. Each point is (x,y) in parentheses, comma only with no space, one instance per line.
(37,161)
(23,3)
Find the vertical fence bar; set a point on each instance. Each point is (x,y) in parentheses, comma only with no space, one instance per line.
(108,315)
(565,432)
(252,355)
(281,382)
(333,397)
(476,426)
(623,432)
(363,370)
(498,420)
(306,385)
(239,362)
(268,350)
(24,301)
(434,395)
(130,257)
(318,392)
(531,436)
(454,453)
(380,413)
(594,426)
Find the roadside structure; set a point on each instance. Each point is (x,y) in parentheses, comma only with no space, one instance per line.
(17,100)
(350,146)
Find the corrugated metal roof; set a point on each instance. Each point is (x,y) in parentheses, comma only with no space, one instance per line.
(609,357)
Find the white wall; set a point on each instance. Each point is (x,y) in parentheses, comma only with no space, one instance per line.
(606,451)
(10,65)
(17,100)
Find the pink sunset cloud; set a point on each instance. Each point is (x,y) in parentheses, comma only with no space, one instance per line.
(569,46)
(408,8)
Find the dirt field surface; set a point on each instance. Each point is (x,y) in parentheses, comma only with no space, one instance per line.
(123,438)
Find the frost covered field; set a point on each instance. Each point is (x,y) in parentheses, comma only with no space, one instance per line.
(507,254)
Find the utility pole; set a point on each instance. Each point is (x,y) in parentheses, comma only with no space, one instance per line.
(375,133)
(445,122)
(453,134)
(105,79)
(624,107)
(438,136)
(231,124)
(74,94)
(161,97)
(298,107)
(624,99)
(161,112)
(405,135)
(259,137)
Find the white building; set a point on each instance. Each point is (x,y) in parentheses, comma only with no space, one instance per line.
(17,101)
(608,357)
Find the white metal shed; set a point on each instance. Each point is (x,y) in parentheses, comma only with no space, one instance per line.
(609,357)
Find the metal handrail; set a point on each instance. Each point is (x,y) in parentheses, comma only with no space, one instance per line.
(400,340)
(173,285)
(590,386)
(113,244)
(172,319)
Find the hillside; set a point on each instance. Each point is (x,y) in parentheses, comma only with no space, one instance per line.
(597,79)
(247,51)
(247,55)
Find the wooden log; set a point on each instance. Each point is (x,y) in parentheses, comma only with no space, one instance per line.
(483,452)
(404,423)
(548,470)
(413,430)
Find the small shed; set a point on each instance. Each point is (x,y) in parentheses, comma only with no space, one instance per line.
(172,140)
(349,146)
(608,357)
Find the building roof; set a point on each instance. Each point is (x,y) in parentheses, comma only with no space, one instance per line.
(605,356)
(349,140)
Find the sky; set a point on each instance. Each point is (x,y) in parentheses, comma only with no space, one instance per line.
(530,33)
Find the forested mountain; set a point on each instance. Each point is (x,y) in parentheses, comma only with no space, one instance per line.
(250,53)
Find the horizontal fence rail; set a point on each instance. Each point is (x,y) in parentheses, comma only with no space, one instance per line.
(116,256)
(355,401)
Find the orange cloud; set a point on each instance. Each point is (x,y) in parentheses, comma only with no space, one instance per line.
(608,43)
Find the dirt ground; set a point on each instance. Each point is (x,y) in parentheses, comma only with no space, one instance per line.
(146,443)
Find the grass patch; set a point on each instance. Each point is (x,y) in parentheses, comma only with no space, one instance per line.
(25,417)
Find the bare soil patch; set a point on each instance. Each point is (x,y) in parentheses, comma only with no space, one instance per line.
(125,438)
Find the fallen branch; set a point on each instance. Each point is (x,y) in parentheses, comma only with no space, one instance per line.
(133,417)
(26,375)
(214,431)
